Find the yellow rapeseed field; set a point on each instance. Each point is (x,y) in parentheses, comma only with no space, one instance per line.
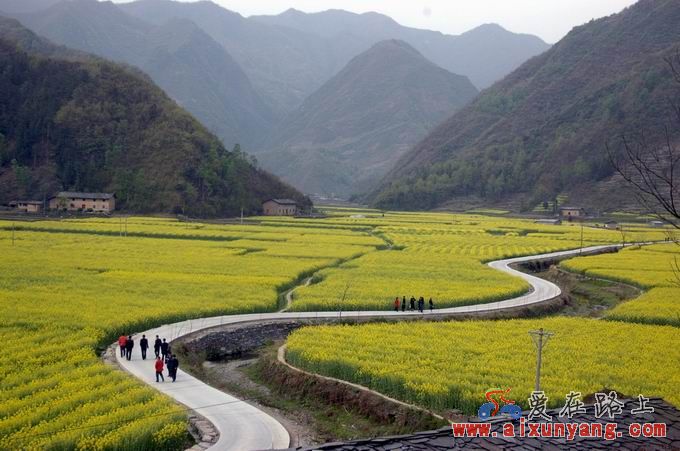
(649,267)
(70,287)
(451,365)
(441,256)
(67,292)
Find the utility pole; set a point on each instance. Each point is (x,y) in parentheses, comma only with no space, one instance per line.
(344,296)
(540,338)
(241,215)
(126,226)
(12,234)
(581,250)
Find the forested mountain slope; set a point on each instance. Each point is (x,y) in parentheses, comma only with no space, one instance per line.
(542,130)
(352,130)
(179,56)
(86,124)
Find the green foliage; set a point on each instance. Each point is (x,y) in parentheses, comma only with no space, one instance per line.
(542,130)
(93,126)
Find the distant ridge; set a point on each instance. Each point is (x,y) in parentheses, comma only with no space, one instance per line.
(350,132)
(541,131)
(73,122)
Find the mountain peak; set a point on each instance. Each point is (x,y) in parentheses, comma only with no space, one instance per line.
(604,79)
(348,133)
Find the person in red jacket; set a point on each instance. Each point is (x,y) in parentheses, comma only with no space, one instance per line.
(396,304)
(122,341)
(159,368)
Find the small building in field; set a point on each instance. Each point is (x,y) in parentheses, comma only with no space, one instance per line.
(27,206)
(77,201)
(555,221)
(279,207)
(572,212)
(612,225)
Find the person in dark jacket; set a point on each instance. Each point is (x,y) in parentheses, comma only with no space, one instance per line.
(157,346)
(403,304)
(158,365)
(413,303)
(164,348)
(143,345)
(173,364)
(421,304)
(129,344)
(431,305)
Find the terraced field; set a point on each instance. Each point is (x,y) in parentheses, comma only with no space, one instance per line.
(451,365)
(68,288)
(65,293)
(652,268)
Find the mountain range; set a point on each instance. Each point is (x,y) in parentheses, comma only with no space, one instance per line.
(350,132)
(180,57)
(484,54)
(246,78)
(70,121)
(542,131)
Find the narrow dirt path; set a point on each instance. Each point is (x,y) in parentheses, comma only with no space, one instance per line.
(288,296)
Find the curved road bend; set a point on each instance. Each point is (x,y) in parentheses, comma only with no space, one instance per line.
(243,427)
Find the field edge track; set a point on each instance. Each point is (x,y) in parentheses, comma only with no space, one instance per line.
(244,427)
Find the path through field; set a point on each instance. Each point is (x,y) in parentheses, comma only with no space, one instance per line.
(244,427)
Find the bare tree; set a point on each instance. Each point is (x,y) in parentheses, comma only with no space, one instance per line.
(653,169)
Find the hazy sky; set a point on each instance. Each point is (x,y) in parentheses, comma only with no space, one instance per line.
(549,19)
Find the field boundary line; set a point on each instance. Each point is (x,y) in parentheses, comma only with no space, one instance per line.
(242,426)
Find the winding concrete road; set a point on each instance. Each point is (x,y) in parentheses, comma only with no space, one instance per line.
(243,427)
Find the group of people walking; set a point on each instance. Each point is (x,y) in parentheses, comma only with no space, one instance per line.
(420,303)
(161,348)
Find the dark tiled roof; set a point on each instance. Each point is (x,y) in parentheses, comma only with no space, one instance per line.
(77,195)
(283,201)
(442,439)
(29,202)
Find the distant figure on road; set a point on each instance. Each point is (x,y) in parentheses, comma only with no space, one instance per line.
(396,304)
(159,369)
(164,348)
(157,346)
(122,341)
(129,344)
(173,364)
(431,305)
(143,345)
(413,303)
(421,304)
(403,304)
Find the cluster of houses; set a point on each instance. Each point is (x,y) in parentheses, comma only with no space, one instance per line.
(106,203)
(69,201)
(579,214)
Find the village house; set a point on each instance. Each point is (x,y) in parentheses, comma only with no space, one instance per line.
(572,212)
(27,206)
(75,201)
(279,207)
